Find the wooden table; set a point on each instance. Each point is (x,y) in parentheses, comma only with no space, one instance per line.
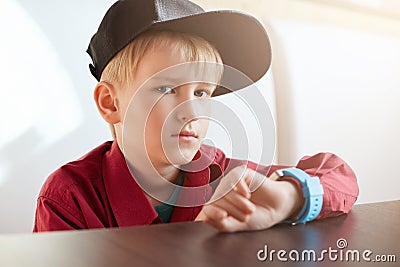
(374,227)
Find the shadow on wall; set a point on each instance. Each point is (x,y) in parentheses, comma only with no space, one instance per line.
(48,90)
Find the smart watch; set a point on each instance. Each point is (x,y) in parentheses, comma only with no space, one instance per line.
(312,192)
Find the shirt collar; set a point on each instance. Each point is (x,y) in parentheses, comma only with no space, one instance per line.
(128,201)
(197,172)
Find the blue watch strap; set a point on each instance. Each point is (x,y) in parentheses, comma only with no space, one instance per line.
(312,191)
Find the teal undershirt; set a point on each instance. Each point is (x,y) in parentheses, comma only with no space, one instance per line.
(165,210)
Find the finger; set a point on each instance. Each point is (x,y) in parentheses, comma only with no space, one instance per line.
(240,202)
(231,181)
(232,210)
(254,180)
(227,224)
(242,188)
(215,213)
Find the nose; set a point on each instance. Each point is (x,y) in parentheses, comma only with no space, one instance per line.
(188,105)
(187,110)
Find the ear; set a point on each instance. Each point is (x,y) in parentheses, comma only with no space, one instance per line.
(107,102)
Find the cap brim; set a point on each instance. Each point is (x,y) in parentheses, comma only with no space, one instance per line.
(240,39)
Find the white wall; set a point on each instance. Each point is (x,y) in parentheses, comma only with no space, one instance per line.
(338,90)
(48,116)
(336,77)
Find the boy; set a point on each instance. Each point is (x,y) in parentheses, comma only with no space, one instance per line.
(158,131)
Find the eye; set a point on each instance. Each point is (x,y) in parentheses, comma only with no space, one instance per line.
(202,93)
(165,89)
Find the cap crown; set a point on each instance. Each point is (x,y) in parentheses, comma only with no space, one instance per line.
(125,20)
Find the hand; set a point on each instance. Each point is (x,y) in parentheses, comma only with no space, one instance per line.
(255,203)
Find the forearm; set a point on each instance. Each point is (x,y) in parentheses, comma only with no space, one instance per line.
(337,179)
(279,200)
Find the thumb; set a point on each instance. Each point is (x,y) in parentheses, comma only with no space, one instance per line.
(242,188)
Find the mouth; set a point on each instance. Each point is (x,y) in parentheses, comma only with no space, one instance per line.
(186,136)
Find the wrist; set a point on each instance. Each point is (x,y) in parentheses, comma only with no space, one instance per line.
(312,192)
(296,199)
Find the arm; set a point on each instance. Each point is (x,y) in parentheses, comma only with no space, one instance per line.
(51,216)
(246,200)
(338,180)
(336,177)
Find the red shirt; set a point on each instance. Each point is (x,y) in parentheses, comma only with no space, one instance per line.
(98,190)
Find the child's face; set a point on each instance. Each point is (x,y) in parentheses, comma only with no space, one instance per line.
(164,114)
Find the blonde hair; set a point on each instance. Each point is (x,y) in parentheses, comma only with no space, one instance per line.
(120,71)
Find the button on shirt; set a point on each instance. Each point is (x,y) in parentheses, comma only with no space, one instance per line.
(98,190)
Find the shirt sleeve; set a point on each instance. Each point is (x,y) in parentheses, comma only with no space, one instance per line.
(51,216)
(337,179)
